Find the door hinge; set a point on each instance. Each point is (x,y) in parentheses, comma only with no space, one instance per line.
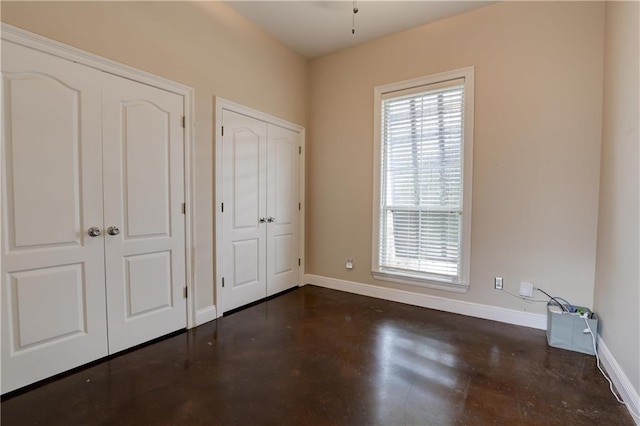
(298,261)
(222,130)
(184,121)
(184,208)
(185,292)
(222,207)
(299,150)
(222,281)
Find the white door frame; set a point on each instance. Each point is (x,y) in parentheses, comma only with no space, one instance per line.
(224,104)
(43,44)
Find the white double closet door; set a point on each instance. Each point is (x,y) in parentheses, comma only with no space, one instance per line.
(86,153)
(260,195)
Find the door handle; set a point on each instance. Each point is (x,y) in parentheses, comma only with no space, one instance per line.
(271,219)
(263,220)
(94,231)
(113,230)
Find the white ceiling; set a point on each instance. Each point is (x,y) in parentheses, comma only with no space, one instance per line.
(316,28)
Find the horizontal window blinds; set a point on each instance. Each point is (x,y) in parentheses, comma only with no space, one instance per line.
(421,180)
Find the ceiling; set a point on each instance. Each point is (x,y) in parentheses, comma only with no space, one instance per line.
(316,28)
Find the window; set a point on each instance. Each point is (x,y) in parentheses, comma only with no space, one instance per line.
(422,181)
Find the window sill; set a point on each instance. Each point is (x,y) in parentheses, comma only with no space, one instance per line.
(419,282)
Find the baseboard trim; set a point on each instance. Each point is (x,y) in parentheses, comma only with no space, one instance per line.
(509,316)
(206,314)
(620,380)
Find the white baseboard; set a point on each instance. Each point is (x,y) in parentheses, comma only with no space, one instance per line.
(206,314)
(509,316)
(619,379)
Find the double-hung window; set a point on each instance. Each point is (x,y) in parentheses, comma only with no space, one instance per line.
(422,182)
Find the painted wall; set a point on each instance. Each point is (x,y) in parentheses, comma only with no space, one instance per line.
(538,114)
(617,289)
(537,134)
(205,45)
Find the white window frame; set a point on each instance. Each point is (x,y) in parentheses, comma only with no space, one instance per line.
(461,284)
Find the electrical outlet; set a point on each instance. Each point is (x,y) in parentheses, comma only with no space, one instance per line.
(349,264)
(526,289)
(497,283)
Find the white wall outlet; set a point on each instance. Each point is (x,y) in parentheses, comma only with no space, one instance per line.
(526,289)
(497,283)
(349,264)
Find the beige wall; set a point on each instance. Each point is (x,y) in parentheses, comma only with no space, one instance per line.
(538,113)
(537,133)
(617,290)
(205,45)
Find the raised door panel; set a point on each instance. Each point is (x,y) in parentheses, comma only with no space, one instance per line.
(45,165)
(244,199)
(147,283)
(145,147)
(53,302)
(282,207)
(143,195)
(245,175)
(54,292)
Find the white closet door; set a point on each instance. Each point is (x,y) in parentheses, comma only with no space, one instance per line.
(282,209)
(244,182)
(53,301)
(143,195)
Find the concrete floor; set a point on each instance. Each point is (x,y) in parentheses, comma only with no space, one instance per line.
(321,357)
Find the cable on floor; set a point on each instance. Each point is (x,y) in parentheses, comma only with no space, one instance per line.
(593,340)
(568,307)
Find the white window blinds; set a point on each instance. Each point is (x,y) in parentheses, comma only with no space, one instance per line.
(421,182)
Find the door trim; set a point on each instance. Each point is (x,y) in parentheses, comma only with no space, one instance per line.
(221,104)
(61,50)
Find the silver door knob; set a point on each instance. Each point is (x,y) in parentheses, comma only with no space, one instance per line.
(113,230)
(94,231)
(271,219)
(263,220)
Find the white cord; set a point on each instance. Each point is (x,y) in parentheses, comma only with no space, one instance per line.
(595,351)
(525,298)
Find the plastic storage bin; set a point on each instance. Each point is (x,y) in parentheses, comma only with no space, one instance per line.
(566,330)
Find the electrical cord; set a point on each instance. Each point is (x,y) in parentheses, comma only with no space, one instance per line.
(595,351)
(562,307)
(531,299)
(525,298)
(556,300)
(570,308)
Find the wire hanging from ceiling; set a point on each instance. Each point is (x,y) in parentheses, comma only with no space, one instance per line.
(353,18)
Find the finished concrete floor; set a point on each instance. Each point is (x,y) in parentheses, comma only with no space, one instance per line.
(315,356)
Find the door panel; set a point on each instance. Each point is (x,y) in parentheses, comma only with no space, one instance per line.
(244,188)
(55,292)
(282,206)
(147,283)
(246,260)
(247,205)
(45,100)
(145,146)
(143,194)
(53,301)
(282,253)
